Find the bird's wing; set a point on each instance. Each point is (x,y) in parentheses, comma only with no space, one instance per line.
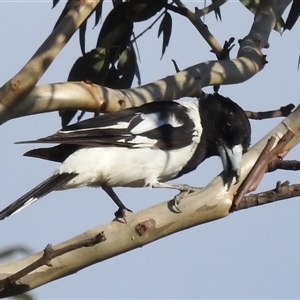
(165,125)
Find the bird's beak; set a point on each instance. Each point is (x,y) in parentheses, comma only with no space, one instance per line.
(232,160)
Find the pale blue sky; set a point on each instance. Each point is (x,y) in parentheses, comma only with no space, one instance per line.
(250,254)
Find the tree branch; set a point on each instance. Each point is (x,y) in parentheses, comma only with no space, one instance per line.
(208,9)
(195,19)
(279,164)
(282,191)
(9,283)
(148,27)
(14,92)
(283,111)
(269,154)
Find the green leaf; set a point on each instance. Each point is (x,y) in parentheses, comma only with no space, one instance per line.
(293,15)
(89,66)
(142,10)
(13,250)
(98,12)
(54,3)
(82,31)
(137,74)
(24,297)
(116,32)
(127,68)
(217,12)
(121,77)
(165,27)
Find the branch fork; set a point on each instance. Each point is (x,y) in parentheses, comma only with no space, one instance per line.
(267,156)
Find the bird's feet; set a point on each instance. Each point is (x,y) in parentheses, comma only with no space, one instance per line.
(184,190)
(122,213)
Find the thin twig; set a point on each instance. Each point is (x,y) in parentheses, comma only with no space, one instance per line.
(279,164)
(282,191)
(197,22)
(175,66)
(283,111)
(49,254)
(208,9)
(148,28)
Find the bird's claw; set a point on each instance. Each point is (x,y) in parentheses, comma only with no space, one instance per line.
(186,189)
(178,198)
(123,213)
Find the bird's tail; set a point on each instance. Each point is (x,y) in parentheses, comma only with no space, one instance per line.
(52,183)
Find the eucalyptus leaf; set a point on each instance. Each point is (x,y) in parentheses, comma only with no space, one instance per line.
(293,15)
(165,28)
(13,250)
(142,10)
(54,3)
(116,32)
(82,31)
(98,12)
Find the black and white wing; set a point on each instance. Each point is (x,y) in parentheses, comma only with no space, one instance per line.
(164,125)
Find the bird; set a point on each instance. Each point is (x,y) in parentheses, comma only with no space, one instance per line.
(142,146)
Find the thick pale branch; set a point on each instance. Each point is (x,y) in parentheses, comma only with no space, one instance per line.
(91,97)
(208,204)
(14,92)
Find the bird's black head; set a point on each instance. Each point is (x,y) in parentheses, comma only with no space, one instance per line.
(227,132)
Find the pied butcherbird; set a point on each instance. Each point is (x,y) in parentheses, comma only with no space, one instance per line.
(143,146)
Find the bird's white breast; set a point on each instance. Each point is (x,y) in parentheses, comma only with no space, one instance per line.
(123,166)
